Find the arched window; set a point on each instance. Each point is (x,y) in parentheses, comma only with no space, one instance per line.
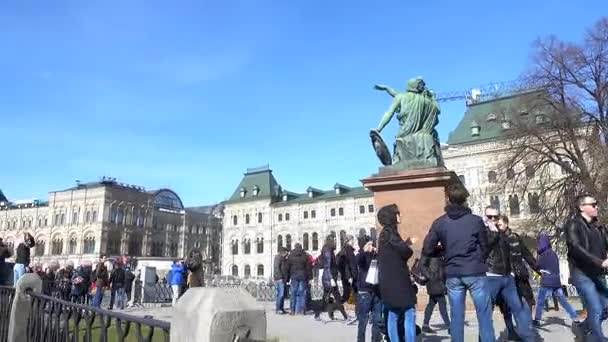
(235,247)
(89,245)
(141,220)
(510,173)
(492,177)
(94,216)
(530,171)
(113,214)
(39,248)
(288,241)
(235,270)
(135,242)
(247,271)
(514,205)
(88,217)
(534,203)
(120,216)
(247,246)
(305,241)
(246,218)
(315,241)
(74,217)
(235,220)
(260,270)
(134,216)
(260,245)
(62,219)
(259,217)
(113,246)
(57,246)
(72,245)
(332,212)
(279,243)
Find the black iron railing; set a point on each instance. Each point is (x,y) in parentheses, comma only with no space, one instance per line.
(7,293)
(56,320)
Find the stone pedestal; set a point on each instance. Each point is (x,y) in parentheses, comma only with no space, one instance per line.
(419,194)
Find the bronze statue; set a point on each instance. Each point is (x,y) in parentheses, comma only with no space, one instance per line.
(417,142)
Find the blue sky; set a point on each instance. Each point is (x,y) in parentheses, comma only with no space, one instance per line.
(188,94)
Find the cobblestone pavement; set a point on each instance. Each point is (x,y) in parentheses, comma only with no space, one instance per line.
(286,328)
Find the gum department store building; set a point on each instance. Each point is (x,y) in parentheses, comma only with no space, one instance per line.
(111,218)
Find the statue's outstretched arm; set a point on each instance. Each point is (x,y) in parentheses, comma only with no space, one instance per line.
(389,114)
(392,92)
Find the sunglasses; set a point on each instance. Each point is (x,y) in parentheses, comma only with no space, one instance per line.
(593,204)
(492,217)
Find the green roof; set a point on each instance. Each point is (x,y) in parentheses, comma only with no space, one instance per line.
(328,195)
(479,114)
(260,177)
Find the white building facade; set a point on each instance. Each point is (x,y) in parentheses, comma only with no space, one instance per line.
(261,217)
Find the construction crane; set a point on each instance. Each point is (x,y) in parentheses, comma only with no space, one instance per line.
(490,91)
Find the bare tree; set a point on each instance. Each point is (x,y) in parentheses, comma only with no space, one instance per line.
(558,132)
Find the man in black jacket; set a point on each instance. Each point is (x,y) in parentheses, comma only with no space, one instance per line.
(22,259)
(587,243)
(464,238)
(347,265)
(279,269)
(299,272)
(501,281)
(117,281)
(368,296)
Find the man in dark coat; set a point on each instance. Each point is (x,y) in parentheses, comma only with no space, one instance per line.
(279,275)
(129,278)
(434,274)
(550,283)
(396,289)
(299,272)
(117,281)
(22,259)
(587,243)
(368,295)
(464,238)
(347,265)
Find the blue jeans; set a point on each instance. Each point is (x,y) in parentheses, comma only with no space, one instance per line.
(280,300)
(18,272)
(409,324)
(506,288)
(457,291)
(298,296)
(595,295)
(543,292)
(368,302)
(98,297)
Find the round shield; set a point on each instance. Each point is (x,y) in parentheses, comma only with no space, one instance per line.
(380,147)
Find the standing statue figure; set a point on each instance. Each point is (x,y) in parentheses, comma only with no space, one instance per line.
(417,142)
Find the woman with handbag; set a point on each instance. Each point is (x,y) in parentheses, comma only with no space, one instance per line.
(396,288)
(368,296)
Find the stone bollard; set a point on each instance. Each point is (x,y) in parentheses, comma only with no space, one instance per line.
(206,314)
(20,312)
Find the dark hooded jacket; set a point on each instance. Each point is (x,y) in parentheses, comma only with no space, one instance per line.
(395,284)
(433,271)
(548,261)
(329,265)
(298,265)
(464,238)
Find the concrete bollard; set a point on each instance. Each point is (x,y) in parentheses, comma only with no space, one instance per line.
(207,314)
(20,312)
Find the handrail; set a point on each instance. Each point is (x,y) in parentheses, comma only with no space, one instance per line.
(118,315)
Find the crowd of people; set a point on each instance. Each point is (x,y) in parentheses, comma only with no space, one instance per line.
(461,253)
